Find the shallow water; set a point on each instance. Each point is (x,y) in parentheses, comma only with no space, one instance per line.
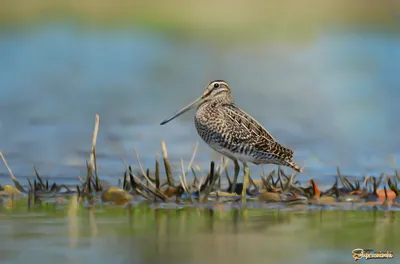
(72,233)
(332,98)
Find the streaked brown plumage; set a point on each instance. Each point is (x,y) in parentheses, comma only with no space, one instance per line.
(232,132)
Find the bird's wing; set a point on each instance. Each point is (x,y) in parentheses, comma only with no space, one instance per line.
(253,131)
(252,127)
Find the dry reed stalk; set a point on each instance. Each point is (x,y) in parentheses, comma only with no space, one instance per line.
(93,161)
(91,165)
(380,179)
(280,177)
(190,166)
(167,165)
(157,173)
(148,176)
(124,184)
(143,172)
(144,195)
(193,155)
(38,177)
(14,179)
(212,179)
(343,180)
(87,184)
(183,182)
(94,141)
(136,181)
(99,187)
(29,183)
(270,177)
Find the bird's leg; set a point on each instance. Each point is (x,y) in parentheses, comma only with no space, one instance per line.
(237,170)
(245,181)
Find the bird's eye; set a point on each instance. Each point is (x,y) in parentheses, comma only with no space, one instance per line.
(216,85)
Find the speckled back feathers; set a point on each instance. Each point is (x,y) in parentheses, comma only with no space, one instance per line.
(232,132)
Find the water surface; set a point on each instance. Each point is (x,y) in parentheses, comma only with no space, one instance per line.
(331,98)
(72,233)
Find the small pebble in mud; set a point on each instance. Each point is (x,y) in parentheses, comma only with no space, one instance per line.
(116,195)
(170,191)
(269,197)
(9,190)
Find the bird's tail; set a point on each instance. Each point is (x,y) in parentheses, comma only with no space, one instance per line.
(286,155)
(295,166)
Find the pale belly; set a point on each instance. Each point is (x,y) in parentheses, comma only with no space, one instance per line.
(235,155)
(231,154)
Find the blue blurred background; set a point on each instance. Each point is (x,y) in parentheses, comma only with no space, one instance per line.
(321,76)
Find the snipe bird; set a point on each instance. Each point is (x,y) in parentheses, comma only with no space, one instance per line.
(232,132)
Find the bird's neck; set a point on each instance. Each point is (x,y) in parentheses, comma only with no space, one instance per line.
(213,104)
(223,100)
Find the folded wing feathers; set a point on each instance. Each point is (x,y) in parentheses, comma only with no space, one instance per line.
(265,141)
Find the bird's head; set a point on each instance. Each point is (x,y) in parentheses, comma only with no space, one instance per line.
(216,91)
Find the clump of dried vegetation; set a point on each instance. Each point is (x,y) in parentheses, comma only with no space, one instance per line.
(276,188)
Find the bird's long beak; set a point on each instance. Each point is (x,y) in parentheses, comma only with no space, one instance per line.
(185,109)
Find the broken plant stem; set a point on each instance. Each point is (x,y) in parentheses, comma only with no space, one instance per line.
(94,140)
(183,182)
(143,172)
(212,180)
(345,184)
(14,179)
(139,182)
(157,173)
(167,165)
